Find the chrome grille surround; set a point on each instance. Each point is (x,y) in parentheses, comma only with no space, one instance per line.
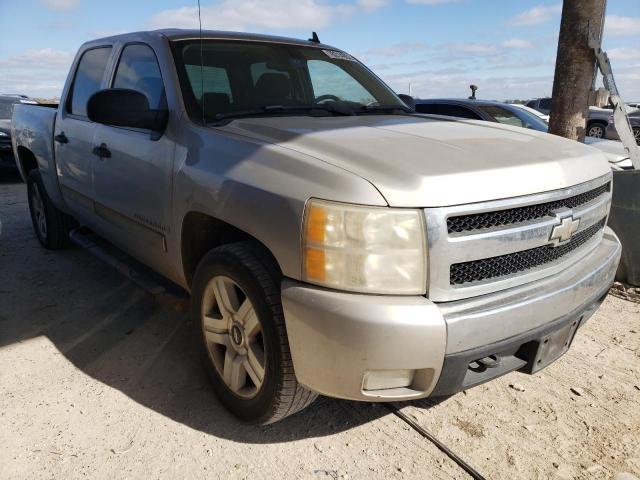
(447,249)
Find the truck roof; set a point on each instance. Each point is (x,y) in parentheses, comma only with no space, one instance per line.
(194,34)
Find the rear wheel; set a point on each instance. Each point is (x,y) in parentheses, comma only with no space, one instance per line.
(50,224)
(239,322)
(636,134)
(596,130)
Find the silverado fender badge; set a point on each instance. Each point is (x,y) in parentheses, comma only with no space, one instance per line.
(565,226)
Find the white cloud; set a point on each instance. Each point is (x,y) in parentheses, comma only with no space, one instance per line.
(372,5)
(616,25)
(536,15)
(61,4)
(517,43)
(256,15)
(38,73)
(472,48)
(624,53)
(430,2)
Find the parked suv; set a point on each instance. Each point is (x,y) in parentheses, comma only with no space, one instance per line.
(333,241)
(6,109)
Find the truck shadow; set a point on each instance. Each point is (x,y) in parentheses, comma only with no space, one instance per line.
(131,341)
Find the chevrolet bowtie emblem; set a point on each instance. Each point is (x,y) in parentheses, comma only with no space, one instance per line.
(566,227)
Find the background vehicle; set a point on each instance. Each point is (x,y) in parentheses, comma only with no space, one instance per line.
(634,120)
(483,110)
(516,115)
(532,111)
(292,193)
(543,105)
(6,109)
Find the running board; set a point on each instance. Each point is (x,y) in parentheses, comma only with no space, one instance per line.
(141,275)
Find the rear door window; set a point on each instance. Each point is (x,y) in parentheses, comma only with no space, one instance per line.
(138,70)
(88,79)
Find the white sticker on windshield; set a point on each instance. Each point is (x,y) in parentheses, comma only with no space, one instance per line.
(337,55)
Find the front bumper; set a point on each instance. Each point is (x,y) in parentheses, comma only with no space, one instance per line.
(338,340)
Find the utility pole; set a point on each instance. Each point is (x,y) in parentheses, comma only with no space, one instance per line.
(575,67)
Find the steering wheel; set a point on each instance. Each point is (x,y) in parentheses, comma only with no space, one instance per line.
(323,98)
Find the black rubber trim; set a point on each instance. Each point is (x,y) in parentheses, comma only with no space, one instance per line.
(514,353)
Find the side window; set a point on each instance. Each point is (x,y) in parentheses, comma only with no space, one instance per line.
(138,70)
(325,77)
(531,104)
(88,79)
(503,116)
(448,110)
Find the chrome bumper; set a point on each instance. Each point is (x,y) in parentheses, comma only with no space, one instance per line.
(337,339)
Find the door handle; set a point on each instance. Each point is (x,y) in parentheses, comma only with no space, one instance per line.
(61,138)
(102,151)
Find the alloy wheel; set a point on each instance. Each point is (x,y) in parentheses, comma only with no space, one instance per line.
(233,336)
(596,131)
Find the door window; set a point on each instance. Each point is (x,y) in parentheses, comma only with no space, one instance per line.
(448,110)
(545,103)
(138,70)
(88,79)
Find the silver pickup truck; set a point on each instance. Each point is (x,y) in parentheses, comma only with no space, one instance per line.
(332,240)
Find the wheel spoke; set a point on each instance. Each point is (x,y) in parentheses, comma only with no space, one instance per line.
(254,364)
(226,296)
(218,338)
(211,324)
(252,326)
(235,375)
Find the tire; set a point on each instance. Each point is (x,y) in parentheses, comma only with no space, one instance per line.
(227,334)
(50,225)
(636,134)
(596,130)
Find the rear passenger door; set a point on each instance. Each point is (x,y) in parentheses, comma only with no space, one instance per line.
(73,136)
(132,186)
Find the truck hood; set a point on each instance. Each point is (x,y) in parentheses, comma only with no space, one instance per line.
(429,161)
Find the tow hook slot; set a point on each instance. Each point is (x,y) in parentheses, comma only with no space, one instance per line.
(491,361)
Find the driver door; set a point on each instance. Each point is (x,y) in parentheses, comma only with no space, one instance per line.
(133,174)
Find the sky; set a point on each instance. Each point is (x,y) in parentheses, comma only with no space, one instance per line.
(435,47)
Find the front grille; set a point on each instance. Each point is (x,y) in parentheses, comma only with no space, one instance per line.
(487,268)
(479,221)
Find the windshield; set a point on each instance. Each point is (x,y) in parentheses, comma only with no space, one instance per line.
(241,78)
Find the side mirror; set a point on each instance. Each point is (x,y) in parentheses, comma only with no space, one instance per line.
(122,107)
(408,100)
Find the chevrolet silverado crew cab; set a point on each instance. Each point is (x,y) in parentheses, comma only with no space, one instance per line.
(333,241)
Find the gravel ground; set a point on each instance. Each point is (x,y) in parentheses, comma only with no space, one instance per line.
(100,380)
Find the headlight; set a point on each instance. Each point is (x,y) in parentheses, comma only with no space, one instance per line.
(2,134)
(364,249)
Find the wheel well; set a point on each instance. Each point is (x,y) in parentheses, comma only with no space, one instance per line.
(27,160)
(593,122)
(201,233)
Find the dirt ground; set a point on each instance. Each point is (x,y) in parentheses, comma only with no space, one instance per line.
(99,380)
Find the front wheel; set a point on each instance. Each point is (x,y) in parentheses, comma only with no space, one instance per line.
(596,130)
(237,314)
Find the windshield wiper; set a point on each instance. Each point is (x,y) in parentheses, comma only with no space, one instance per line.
(284,109)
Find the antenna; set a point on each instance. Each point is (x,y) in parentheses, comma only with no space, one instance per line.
(201,67)
(314,38)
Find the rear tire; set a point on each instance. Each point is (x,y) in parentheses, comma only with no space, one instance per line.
(245,349)
(636,134)
(51,225)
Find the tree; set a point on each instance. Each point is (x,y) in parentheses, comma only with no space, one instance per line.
(575,67)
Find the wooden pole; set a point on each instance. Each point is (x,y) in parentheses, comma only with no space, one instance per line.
(575,67)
